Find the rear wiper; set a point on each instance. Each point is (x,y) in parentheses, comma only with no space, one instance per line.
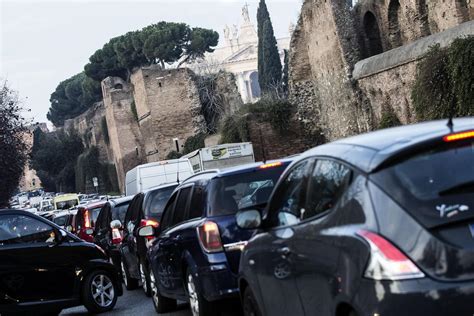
(459,188)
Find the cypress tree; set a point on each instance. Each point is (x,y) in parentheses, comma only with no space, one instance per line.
(272,74)
(262,16)
(285,74)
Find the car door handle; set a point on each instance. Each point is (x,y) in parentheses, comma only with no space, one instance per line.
(284,251)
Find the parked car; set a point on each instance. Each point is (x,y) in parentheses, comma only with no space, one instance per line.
(108,231)
(46,269)
(377,224)
(195,256)
(84,221)
(145,209)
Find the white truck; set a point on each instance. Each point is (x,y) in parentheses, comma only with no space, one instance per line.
(221,156)
(153,174)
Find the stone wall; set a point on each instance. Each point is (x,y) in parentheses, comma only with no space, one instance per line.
(124,132)
(168,107)
(334,88)
(275,144)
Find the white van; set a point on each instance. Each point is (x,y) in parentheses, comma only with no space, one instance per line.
(153,174)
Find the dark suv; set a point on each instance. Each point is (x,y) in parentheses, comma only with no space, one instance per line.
(44,269)
(145,209)
(377,224)
(108,230)
(196,254)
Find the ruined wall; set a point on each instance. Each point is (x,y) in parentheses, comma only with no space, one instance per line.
(387,79)
(399,22)
(89,127)
(226,88)
(168,107)
(325,41)
(334,84)
(124,133)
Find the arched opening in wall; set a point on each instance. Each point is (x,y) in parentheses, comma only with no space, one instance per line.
(394,32)
(118,86)
(423,17)
(254,85)
(373,43)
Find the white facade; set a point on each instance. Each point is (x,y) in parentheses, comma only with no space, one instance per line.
(239,55)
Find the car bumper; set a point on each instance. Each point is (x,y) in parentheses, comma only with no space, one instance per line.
(415,297)
(217,282)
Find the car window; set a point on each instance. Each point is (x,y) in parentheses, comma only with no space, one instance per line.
(196,208)
(181,203)
(231,193)
(119,212)
(157,201)
(288,203)
(61,221)
(21,229)
(167,218)
(327,184)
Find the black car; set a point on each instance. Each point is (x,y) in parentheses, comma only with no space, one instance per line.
(43,268)
(108,229)
(197,251)
(145,209)
(377,224)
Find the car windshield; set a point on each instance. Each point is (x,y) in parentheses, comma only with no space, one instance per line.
(232,193)
(435,185)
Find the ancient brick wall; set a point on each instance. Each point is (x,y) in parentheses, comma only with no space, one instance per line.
(168,107)
(124,133)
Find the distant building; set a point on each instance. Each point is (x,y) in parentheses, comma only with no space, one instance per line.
(30,180)
(239,56)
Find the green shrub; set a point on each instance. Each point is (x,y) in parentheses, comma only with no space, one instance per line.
(389,119)
(444,83)
(173,155)
(234,129)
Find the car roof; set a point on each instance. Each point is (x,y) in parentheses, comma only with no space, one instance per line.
(210,174)
(93,204)
(370,150)
(121,200)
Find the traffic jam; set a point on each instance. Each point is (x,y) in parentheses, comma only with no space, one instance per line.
(376,224)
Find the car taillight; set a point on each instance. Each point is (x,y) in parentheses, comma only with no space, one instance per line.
(209,237)
(458,136)
(149,222)
(386,261)
(116,236)
(87,219)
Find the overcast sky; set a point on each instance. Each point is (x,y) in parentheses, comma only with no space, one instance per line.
(45,42)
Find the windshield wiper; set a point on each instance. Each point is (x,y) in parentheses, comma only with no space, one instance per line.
(465,187)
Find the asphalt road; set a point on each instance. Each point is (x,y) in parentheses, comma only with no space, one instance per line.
(137,304)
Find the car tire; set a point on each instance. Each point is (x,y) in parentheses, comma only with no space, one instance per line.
(145,279)
(198,304)
(162,304)
(129,282)
(99,293)
(249,304)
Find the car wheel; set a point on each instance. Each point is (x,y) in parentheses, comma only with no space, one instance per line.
(145,279)
(130,283)
(162,304)
(249,303)
(99,293)
(199,305)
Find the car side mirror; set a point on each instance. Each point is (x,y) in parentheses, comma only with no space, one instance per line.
(249,219)
(146,231)
(116,224)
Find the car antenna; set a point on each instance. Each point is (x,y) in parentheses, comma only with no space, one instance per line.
(263,147)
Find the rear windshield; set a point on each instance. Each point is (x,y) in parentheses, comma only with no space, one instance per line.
(156,201)
(119,212)
(65,205)
(95,213)
(232,193)
(436,186)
